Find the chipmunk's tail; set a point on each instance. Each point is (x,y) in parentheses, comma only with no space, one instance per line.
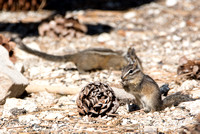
(46,56)
(175,99)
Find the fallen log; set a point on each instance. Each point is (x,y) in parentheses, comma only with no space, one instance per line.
(121,94)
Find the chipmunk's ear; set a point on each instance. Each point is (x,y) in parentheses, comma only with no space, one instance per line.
(130,56)
(131,51)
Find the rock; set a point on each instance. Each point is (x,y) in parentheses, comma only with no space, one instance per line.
(193,106)
(53,116)
(195,93)
(34,46)
(125,121)
(176,38)
(150,129)
(17,111)
(13,83)
(171,3)
(29,119)
(134,121)
(129,15)
(103,37)
(20,67)
(13,105)
(188,85)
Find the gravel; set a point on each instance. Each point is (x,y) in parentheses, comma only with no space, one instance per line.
(161,32)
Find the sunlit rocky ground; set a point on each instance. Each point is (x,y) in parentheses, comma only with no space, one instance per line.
(161,32)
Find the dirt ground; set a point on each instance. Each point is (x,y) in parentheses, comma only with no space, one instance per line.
(161,32)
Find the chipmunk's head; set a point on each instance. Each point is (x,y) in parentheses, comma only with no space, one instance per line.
(129,72)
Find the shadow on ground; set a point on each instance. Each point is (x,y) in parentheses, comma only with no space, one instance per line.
(65,5)
(60,7)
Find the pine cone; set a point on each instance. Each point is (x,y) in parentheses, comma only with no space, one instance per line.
(62,27)
(189,69)
(16,5)
(10,46)
(97,99)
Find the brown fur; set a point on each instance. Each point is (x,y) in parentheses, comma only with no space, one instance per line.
(147,91)
(86,60)
(143,87)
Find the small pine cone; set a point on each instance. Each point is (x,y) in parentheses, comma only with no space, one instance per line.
(25,5)
(97,99)
(10,46)
(189,69)
(62,27)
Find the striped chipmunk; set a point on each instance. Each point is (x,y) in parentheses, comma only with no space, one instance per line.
(146,91)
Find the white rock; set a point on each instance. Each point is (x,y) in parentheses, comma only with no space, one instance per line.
(28,119)
(129,15)
(193,106)
(34,45)
(150,129)
(90,129)
(13,83)
(196,43)
(124,122)
(111,43)
(182,24)
(188,84)
(34,71)
(156,113)
(172,29)
(55,126)
(75,76)
(172,108)
(149,116)
(45,98)
(53,116)
(19,66)
(176,38)
(103,37)
(134,121)
(10,103)
(162,33)
(153,11)
(186,43)
(52,24)
(195,93)
(171,3)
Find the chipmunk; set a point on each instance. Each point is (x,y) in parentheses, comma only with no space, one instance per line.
(90,59)
(86,60)
(146,91)
(143,87)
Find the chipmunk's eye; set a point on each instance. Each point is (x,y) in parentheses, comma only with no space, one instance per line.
(130,71)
